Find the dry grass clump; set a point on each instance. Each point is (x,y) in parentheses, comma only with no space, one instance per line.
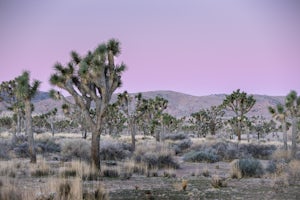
(130,166)
(98,194)
(155,155)
(11,168)
(80,169)
(110,171)
(41,168)
(184,184)
(281,154)
(294,172)
(235,171)
(76,149)
(217,181)
(9,192)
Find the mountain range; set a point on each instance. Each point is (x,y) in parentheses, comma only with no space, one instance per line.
(179,104)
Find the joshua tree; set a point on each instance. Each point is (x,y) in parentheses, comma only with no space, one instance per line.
(7,95)
(280,114)
(91,79)
(239,103)
(200,122)
(25,92)
(114,119)
(292,104)
(214,115)
(170,123)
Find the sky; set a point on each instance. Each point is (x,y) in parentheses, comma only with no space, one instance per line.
(198,47)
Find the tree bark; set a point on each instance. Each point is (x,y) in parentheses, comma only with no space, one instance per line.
(285,146)
(132,132)
(29,131)
(294,137)
(95,149)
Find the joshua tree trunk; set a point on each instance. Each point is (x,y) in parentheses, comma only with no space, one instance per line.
(132,132)
(96,149)
(29,131)
(294,136)
(285,146)
(239,131)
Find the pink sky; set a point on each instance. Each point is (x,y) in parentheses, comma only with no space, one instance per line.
(198,47)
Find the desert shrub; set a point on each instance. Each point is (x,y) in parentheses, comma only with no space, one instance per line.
(217,181)
(114,150)
(99,194)
(182,145)
(200,156)
(271,167)
(4,149)
(68,173)
(294,171)
(157,160)
(256,150)
(22,150)
(47,146)
(39,173)
(6,122)
(250,167)
(76,149)
(111,172)
(175,136)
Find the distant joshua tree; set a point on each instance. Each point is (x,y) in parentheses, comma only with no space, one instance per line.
(292,104)
(239,103)
(91,79)
(25,91)
(279,113)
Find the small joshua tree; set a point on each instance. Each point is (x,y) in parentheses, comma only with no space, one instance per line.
(279,113)
(25,92)
(239,103)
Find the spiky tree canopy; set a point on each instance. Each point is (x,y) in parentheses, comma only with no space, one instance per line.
(92,78)
(239,102)
(24,89)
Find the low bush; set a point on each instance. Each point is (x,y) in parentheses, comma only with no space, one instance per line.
(114,150)
(76,149)
(4,150)
(47,146)
(256,150)
(230,150)
(175,136)
(271,167)
(250,167)
(111,172)
(217,181)
(200,156)
(155,156)
(182,145)
(157,160)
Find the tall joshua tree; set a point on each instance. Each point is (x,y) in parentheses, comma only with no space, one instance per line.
(292,103)
(91,79)
(239,103)
(280,114)
(25,92)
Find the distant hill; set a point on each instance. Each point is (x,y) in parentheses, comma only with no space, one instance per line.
(179,105)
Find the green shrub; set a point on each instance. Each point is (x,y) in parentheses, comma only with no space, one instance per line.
(114,150)
(76,149)
(250,167)
(271,167)
(175,136)
(157,160)
(182,145)
(200,156)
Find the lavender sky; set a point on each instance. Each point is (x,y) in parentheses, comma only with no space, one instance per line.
(198,47)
